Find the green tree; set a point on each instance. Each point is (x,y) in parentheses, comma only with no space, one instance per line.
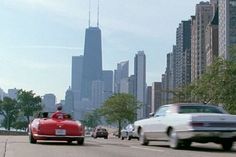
(120,108)
(29,103)
(217,85)
(21,125)
(92,119)
(9,110)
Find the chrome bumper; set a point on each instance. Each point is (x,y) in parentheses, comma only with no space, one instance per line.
(206,134)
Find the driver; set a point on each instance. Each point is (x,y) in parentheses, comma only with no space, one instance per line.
(58,114)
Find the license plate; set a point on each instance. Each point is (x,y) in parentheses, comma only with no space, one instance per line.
(60,132)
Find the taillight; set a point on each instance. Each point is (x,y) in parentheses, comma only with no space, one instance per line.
(197,124)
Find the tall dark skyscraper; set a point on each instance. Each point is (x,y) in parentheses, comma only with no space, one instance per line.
(92,63)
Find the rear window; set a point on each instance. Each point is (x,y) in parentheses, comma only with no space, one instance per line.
(104,130)
(199,109)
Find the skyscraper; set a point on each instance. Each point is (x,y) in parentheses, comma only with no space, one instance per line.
(12,93)
(2,94)
(140,82)
(121,75)
(69,102)
(211,39)
(183,53)
(156,96)
(92,63)
(76,77)
(227,27)
(97,94)
(203,15)
(49,101)
(108,83)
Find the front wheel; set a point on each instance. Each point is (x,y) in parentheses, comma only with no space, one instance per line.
(173,139)
(142,138)
(227,145)
(31,139)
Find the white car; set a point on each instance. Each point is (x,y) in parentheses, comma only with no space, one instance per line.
(185,123)
(128,132)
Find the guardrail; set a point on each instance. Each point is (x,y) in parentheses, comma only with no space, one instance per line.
(12,133)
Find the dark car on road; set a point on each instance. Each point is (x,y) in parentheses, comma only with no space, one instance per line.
(100,132)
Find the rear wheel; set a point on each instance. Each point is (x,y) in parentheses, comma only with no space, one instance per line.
(128,138)
(31,139)
(80,141)
(227,145)
(173,139)
(142,138)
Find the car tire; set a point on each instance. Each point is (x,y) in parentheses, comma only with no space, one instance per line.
(142,138)
(106,137)
(31,139)
(128,138)
(80,141)
(227,145)
(187,143)
(173,140)
(122,138)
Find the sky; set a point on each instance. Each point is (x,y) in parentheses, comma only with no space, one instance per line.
(39,37)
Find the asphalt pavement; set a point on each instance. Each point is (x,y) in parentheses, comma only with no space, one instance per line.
(19,146)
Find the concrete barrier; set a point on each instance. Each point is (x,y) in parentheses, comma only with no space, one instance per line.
(13,133)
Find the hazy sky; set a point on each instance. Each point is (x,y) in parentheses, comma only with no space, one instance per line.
(39,37)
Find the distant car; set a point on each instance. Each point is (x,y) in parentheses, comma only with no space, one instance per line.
(128,132)
(100,132)
(61,128)
(183,124)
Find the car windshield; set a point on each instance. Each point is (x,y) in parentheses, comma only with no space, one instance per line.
(199,109)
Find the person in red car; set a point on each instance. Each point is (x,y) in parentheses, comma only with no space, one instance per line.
(58,114)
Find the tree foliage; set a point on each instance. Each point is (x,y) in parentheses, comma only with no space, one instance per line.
(29,103)
(120,108)
(217,85)
(92,119)
(9,110)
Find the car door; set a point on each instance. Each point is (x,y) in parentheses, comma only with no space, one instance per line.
(156,125)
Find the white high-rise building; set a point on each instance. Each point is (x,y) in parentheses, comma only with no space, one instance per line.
(12,93)
(227,27)
(122,72)
(2,94)
(140,82)
(49,101)
(97,94)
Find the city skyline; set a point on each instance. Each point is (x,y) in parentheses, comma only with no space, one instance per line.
(39,39)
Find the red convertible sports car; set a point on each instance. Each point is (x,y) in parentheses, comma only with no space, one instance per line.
(56,126)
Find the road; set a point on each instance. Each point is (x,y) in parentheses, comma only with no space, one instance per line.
(18,146)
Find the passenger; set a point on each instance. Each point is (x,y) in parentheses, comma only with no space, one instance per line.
(45,114)
(58,114)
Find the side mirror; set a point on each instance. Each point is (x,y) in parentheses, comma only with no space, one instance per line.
(151,114)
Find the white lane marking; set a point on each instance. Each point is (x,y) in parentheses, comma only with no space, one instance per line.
(157,150)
